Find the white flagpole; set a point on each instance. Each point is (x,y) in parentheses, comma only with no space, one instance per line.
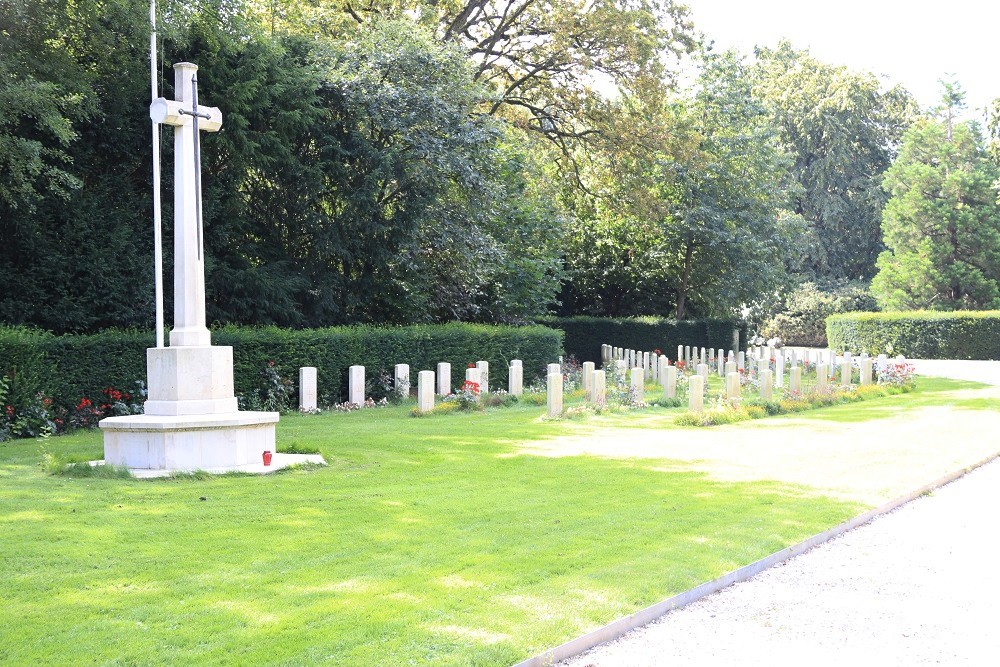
(157,233)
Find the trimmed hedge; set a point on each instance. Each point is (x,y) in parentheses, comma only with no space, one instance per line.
(918,334)
(585,335)
(70,367)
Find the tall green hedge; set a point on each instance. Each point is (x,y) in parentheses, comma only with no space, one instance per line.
(918,334)
(585,335)
(70,367)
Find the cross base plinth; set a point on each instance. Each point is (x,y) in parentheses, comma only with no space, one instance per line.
(219,442)
(190,380)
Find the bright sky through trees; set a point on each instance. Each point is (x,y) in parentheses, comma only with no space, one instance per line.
(914,43)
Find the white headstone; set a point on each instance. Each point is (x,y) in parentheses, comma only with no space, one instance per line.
(766,385)
(670,386)
(515,378)
(600,389)
(733,387)
(696,392)
(822,376)
(307,389)
(703,372)
(484,376)
(472,379)
(637,385)
(587,378)
(795,380)
(554,394)
(356,385)
(444,378)
(425,391)
(779,370)
(402,380)
(866,370)
(846,372)
(661,374)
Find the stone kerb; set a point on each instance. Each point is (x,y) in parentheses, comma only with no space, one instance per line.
(554,394)
(425,391)
(356,385)
(307,389)
(443,378)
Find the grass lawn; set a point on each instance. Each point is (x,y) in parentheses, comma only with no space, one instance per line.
(433,541)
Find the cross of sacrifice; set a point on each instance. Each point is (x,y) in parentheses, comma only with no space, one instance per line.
(188,119)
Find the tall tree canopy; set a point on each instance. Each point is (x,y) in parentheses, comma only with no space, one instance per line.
(843,128)
(691,219)
(942,221)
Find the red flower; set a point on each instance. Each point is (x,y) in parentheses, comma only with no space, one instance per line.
(469,385)
(471,365)
(271,363)
(10,410)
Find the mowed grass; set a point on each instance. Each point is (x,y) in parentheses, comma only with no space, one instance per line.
(424,542)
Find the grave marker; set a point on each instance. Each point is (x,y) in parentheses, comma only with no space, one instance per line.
(307,389)
(696,392)
(444,378)
(356,385)
(425,391)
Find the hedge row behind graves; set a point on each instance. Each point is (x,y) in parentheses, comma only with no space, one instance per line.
(918,334)
(70,367)
(585,335)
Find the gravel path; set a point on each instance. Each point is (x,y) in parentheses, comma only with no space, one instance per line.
(917,586)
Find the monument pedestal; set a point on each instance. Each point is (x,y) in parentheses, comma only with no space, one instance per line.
(217,442)
(191,420)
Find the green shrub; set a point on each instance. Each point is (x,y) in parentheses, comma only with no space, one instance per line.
(919,334)
(801,320)
(70,367)
(585,335)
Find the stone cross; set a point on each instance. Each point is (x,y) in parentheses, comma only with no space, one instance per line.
(189,262)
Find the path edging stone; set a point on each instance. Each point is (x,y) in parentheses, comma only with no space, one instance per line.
(626,624)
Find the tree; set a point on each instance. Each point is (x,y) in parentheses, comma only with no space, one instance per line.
(843,129)
(545,63)
(942,221)
(693,221)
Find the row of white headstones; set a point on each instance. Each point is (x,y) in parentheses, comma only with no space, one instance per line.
(769,364)
(429,383)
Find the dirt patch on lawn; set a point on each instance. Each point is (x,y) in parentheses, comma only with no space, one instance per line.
(870,462)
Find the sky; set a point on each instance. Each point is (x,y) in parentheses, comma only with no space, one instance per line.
(911,42)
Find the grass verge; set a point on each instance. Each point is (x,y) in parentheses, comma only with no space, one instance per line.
(424,542)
